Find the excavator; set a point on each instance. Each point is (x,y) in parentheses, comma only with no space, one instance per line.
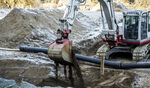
(132,38)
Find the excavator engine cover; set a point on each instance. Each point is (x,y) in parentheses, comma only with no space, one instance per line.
(61,52)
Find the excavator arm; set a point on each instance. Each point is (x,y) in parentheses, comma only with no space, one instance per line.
(72,9)
(107,8)
(70,14)
(66,22)
(61,50)
(111,34)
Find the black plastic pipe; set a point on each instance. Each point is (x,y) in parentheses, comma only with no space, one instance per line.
(114,64)
(93,60)
(33,49)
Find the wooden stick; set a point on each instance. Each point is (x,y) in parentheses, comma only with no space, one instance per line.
(102,65)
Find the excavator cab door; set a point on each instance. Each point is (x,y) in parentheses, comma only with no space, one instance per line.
(131,26)
(148,24)
(144,26)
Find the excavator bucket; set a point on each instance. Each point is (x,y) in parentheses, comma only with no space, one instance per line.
(61,52)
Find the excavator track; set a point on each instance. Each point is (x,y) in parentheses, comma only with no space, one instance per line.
(102,51)
(141,52)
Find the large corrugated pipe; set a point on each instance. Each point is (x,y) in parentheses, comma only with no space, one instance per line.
(94,60)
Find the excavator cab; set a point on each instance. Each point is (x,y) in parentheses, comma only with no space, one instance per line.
(136,27)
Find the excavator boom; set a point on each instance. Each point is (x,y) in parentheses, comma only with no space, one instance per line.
(61,49)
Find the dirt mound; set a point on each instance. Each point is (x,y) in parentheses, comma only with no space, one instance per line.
(31,27)
(24,25)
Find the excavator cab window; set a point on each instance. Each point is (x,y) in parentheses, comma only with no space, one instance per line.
(144,26)
(131,27)
(148,21)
